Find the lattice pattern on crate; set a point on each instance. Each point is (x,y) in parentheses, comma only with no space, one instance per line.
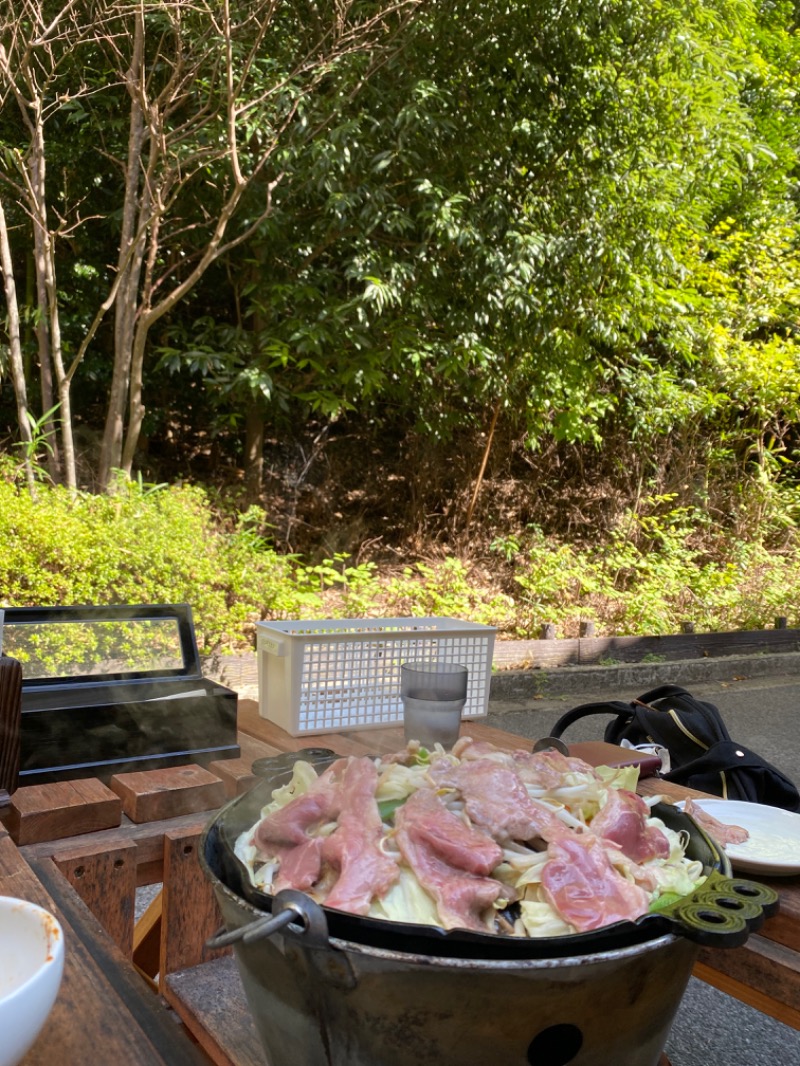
(347,682)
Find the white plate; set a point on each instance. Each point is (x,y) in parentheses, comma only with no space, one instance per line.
(773,846)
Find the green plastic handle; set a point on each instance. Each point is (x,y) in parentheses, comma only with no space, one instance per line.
(723,911)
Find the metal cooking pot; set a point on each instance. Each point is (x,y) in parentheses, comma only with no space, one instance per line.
(332,989)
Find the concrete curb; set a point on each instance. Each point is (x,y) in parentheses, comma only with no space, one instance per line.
(574,680)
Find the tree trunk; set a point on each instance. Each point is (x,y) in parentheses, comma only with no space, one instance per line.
(47,291)
(129,267)
(148,315)
(36,187)
(254,452)
(484,461)
(45,368)
(254,417)
(15,349)
(64,414)
(193,109)
(136,409)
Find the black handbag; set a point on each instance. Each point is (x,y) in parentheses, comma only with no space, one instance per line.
(702,754)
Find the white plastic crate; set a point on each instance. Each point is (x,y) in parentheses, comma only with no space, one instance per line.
(316,676)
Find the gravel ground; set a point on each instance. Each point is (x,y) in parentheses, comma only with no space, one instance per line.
(712,1029)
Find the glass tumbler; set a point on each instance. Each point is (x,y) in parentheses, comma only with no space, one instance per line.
(433,695)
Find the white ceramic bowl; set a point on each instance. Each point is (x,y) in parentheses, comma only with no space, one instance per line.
(31,967)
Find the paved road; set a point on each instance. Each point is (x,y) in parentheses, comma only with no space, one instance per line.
(711,1029)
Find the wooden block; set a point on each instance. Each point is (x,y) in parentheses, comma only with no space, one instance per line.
(105,879)
(236,775)
(62,809)
(189,911)
(152,795)
(784,927)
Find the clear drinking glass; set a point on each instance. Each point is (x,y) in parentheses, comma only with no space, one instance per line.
(433,695)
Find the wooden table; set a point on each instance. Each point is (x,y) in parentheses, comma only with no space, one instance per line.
(104,1011)
(90,882)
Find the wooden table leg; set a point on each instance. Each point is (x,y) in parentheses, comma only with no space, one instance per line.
(105,879)
(189,910)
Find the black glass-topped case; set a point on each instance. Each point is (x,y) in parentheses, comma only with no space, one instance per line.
(107,690)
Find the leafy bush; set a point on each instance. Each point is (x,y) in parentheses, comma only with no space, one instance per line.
(661,567)
(160,544)
(137,545)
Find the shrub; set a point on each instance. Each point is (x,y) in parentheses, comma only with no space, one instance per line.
(166,544)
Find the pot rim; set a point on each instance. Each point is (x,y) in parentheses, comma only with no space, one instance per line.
(254,913)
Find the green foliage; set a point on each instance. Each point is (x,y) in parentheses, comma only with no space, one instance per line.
(662,566)
(518,209)
(138,545)
(157,544)
(581,216)
(448,588)
(87,648)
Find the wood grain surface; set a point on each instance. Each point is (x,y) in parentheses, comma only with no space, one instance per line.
(189,910)
(152,795)
(103,1012)
(105,879)
(62,809)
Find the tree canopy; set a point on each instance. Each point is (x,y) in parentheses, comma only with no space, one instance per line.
(492,227)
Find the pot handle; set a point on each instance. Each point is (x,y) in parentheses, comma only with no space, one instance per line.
(723,911)
(550,744)
(291,910)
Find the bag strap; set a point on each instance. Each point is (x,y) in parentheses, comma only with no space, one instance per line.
(685,701)
(662,692)
(585,710)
